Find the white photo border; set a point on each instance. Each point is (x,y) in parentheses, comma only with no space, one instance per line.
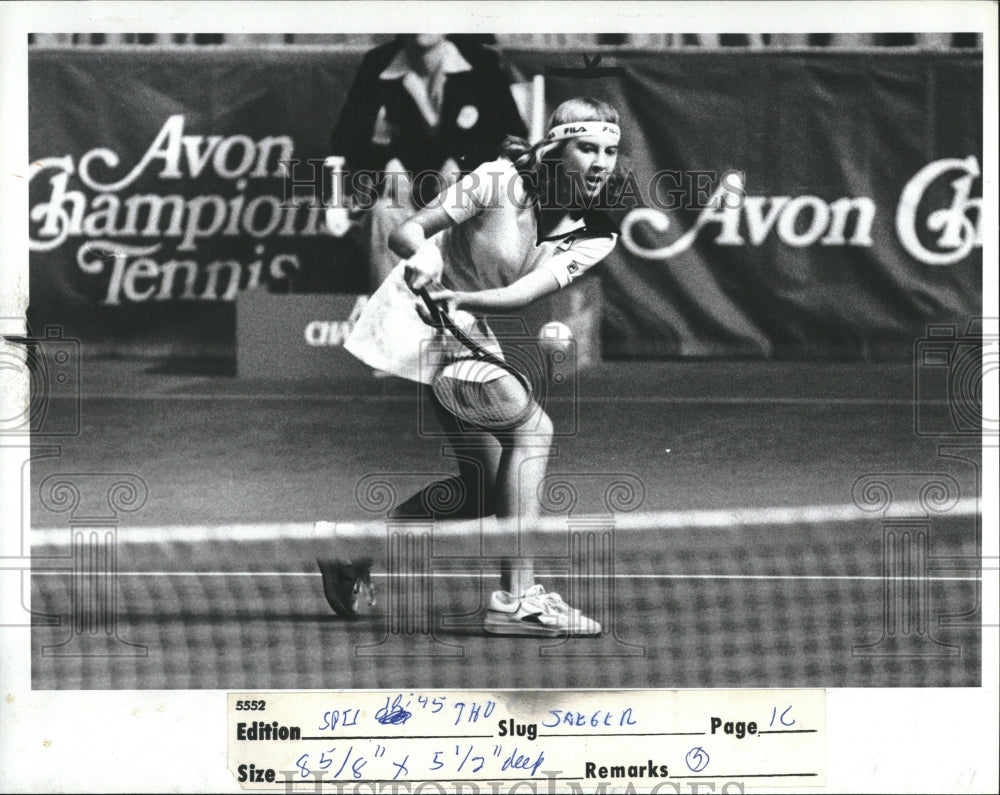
(929,739)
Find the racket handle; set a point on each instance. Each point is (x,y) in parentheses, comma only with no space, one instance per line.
(432,308)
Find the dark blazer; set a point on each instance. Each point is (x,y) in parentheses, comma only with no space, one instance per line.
(477,111)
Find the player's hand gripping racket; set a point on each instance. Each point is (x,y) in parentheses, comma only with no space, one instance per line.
(498,404)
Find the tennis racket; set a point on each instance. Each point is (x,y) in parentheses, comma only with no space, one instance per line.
(496,405)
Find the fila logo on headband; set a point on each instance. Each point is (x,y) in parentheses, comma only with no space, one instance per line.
(581,128)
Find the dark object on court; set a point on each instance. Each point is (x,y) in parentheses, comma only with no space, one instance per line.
(344,582)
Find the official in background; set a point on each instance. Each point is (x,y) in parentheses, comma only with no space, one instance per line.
(423,111)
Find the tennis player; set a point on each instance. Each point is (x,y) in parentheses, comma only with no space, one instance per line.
(510,232)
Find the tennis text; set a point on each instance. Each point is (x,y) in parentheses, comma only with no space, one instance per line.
(933,235)
(122,226)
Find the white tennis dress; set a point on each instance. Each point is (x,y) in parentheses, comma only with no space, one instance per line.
(493,243)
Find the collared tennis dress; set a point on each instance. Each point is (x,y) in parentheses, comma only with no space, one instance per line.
(493,243)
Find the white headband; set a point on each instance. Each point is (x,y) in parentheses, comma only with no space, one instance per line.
(577,129)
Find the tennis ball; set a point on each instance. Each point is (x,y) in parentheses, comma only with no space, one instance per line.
(555,337)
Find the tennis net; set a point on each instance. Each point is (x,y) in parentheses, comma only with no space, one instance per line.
(807,597)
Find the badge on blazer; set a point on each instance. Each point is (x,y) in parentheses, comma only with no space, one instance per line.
(468,116)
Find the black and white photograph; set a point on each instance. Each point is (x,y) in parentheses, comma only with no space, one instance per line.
(492,356)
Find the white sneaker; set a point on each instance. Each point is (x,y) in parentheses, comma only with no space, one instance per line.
(554,600)
(535,613)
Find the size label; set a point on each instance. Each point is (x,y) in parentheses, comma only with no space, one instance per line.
(462,741)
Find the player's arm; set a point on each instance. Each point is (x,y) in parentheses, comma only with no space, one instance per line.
(407,238)
(409,242)
(528,288)
(557,272)
(461,201)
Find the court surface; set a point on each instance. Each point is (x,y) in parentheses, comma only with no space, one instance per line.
(705,512)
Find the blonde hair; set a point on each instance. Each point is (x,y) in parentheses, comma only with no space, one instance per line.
(532,159)
(521,153)
(583,109)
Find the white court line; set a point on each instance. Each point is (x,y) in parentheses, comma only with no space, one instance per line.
(478,575)
(667,399)
(325,532)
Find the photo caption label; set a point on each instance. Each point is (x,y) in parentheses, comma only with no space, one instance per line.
(653,741)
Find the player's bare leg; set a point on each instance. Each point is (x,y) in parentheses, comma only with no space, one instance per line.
(523,463)
(522,607)
(477,454)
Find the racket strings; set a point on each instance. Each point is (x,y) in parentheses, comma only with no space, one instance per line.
(496,403)
(500,404)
